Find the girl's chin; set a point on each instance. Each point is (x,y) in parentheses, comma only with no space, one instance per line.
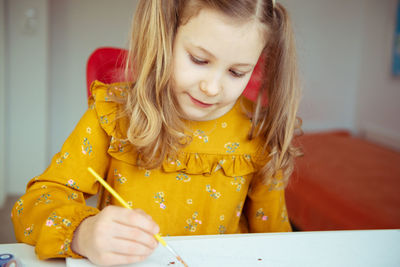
(194,114)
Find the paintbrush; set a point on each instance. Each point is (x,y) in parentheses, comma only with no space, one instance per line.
(123,202)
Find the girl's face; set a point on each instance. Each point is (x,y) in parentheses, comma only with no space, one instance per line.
(213,58)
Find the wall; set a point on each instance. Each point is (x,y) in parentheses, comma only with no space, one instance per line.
(378,102)
(27,94)
(329,38)
(2,104)
(77,28)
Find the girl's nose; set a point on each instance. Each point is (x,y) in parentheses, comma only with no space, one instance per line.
(210,88)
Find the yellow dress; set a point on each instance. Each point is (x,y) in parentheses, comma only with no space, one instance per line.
(207,189)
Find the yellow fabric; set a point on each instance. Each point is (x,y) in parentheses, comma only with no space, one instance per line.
(204,190)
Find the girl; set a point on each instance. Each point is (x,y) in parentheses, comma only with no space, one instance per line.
(180,144)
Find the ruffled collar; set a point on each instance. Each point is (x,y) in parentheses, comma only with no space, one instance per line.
(188,161)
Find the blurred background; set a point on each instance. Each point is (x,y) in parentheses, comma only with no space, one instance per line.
(345,50)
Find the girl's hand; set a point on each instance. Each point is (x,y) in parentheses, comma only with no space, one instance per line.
(116,235)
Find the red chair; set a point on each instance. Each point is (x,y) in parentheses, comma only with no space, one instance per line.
(106,64)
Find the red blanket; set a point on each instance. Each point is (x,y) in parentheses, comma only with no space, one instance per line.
(343,182)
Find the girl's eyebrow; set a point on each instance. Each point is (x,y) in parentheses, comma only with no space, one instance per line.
(212,56)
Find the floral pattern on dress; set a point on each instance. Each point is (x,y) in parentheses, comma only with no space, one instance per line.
(172,161)
(159,199)
(238,181)
(112,141)
(28,230)
(221,229)
(219,165)
(57,221)
(71,183)
(62,158)
(200,134)
(19,207)
(260,215)
(183,177)
(72,196)
(231,147)
(107,200)
(116,90)
(103,120)
(275,185)
(66,222)
(65,247)
(193,222)
(213,192)
(87,148)
(44,198)
(117,144)
(239,210)
(121,145)
(284,214)
(118,176)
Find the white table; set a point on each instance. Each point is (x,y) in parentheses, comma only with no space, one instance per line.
(26,254)
(327,248)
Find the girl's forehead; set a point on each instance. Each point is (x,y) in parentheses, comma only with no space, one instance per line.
(215,16)
(224,36)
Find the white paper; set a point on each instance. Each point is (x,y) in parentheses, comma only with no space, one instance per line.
(202,252)
(311,249)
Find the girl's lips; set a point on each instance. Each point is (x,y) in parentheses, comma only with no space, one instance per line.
(199,103)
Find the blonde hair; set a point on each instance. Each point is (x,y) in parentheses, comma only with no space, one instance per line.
(156,129)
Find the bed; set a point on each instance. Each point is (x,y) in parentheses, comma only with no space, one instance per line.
(344,183)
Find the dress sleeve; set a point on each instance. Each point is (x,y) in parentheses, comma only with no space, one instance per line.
(54,203)
(265,207)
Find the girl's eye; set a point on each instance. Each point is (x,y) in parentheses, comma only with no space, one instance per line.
(237,74)
(204,62)
(198,61)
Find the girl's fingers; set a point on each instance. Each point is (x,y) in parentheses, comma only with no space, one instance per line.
(118,235)
(119,259)
(136,218)
(129,247)
(143,213)
(136,234)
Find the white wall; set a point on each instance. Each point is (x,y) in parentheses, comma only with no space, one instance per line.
(378,102)
(27,94)
(77,28)
(329,38)
(344,51)
(2,104)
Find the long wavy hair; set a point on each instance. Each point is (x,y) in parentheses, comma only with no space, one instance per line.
(156,128)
